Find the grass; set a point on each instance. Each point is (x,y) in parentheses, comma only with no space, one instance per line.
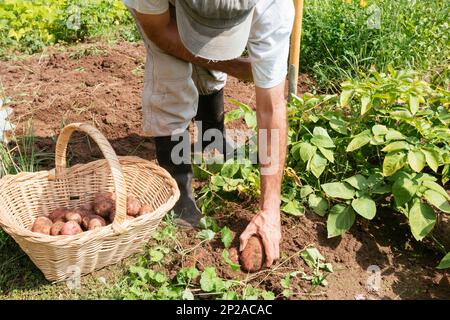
(342,39)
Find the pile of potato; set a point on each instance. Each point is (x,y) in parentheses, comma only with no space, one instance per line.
(64,221)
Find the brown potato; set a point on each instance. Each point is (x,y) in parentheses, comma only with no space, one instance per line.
(145,209)
(74,215)
(58,214)
(253,256)
(133,206)
(85,220)
(71,228)
(111,217)
(56,228)
(42,225)
(96,222)
(104,204)
(88,207)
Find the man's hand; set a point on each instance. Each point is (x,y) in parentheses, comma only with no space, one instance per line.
(267,226)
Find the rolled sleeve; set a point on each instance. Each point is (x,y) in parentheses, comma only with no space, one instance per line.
(268,44)
(148,6)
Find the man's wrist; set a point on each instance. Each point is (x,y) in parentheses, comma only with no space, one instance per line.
(271,205)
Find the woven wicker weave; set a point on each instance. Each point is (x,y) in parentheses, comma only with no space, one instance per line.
(25,196)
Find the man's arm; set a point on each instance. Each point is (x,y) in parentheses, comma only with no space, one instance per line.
(272,121)
(162,30)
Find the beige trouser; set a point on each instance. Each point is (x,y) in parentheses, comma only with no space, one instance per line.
(171,89)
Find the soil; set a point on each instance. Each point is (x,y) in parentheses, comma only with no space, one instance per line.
(102,84)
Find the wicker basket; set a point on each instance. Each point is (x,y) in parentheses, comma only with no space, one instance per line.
(25,196)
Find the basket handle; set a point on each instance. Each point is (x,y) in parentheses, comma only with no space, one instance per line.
(111,158)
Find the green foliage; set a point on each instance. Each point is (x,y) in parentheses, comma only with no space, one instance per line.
(385,135)
(31,25)
(343,39)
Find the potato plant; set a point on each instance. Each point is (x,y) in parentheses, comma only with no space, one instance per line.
(384,139)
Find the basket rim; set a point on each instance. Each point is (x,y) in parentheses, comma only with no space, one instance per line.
(86,236)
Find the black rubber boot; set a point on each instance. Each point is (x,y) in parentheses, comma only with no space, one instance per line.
(186,211)
(211,114)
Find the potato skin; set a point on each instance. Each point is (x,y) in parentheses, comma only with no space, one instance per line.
(56,228)
(96,222)
(133,206)
(253,256)
(42,225)
(71,228)
(85,220)
(88,207)
(145,209)
(74,215)
(58,214)
(104,204)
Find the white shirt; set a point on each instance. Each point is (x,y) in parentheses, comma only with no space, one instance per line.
(268,43)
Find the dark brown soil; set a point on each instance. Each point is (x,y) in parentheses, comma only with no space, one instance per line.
(103,87)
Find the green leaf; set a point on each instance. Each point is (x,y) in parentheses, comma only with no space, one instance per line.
(359,141)
(379,130)
(340,219)
(394,135)
(432,158)
(436,187)
(317,165)
(366,104)
(305,191)
(437,200)
(318,204)
(233,115)
(186,275)
(312,257)
(230,295)
(421,220)
(403,190)
(413,103)
(382,189)
(307,151)
(328,154)
(338,190)
(358,182)
(229,169)
(187,294)
(345,97)
(396,146)
(445,262)
(227,259)
(294,208)
(250,119)
(393,162)
(156,255)
(416,160)
(338,125)
(207,222)
(250,293)
(365,206)
(206,235)
(268,295)
(208,279)
(227,236)
(286,281)
(321,138)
